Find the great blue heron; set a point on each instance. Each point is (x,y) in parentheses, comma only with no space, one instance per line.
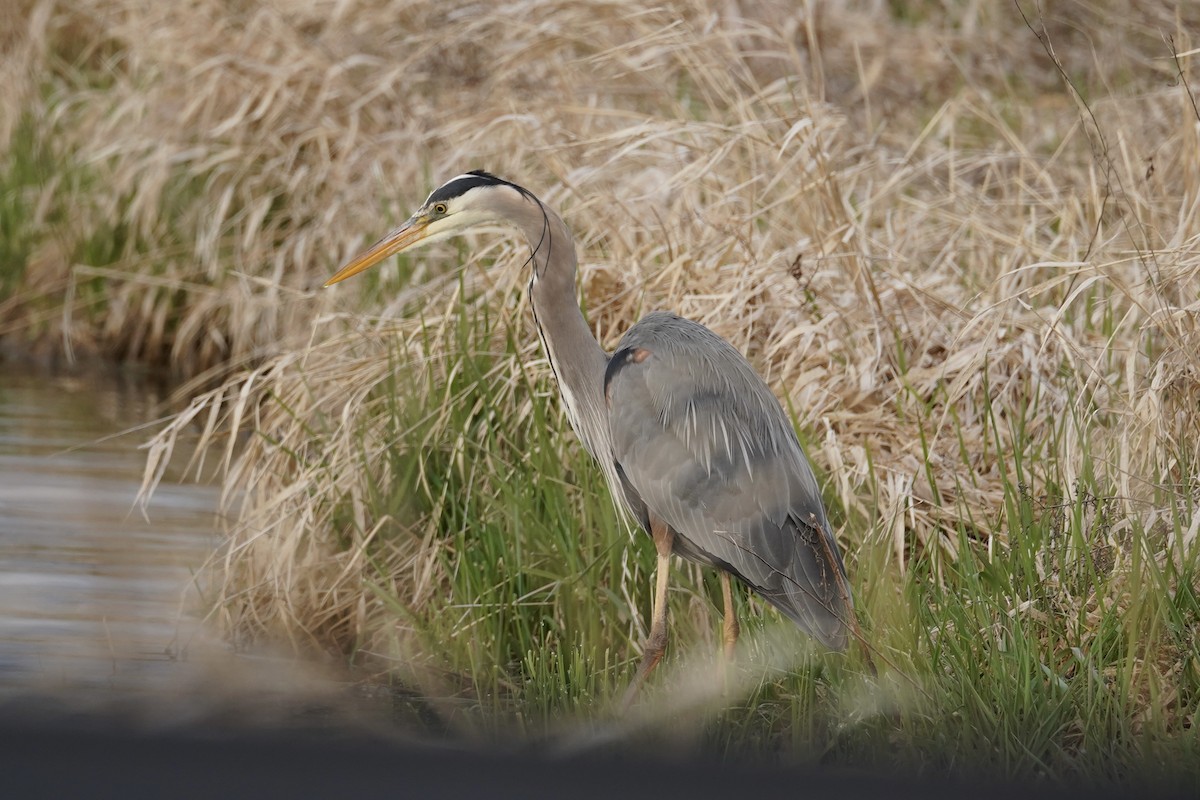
(693,443)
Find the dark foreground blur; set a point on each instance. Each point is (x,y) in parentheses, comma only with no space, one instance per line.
(98,757)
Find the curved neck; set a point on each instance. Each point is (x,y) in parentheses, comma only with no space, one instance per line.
(575,356)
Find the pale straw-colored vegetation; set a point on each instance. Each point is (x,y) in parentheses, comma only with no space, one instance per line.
(965,252)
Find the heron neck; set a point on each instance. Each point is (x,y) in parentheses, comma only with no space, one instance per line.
(575,356)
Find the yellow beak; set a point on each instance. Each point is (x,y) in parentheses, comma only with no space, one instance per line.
(400,239)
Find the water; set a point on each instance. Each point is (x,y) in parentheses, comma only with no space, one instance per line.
(94,596)
(99,608)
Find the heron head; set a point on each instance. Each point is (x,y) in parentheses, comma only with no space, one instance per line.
(470,199)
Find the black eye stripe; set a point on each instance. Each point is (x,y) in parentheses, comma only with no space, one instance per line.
(465,183)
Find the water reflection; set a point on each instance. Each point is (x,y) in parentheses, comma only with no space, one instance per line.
(92,593)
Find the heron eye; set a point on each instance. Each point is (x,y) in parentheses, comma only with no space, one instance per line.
(439,208)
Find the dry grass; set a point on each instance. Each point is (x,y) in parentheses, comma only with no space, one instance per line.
(972,271)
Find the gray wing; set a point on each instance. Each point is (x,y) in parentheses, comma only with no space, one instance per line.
(701,442)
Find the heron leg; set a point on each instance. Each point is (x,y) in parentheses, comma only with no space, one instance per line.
(656,643)
(731,627)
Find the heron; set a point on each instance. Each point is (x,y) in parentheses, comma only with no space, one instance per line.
(692,442)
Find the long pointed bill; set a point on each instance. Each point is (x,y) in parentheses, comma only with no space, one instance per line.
(402,238)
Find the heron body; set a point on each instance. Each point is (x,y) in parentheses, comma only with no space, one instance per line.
(692,441)
(702,443)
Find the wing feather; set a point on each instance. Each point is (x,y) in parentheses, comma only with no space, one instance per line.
(703,443)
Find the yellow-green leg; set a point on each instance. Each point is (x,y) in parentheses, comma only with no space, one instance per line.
(656,643)
(731,627)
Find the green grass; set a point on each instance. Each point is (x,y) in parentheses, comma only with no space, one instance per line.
(121,290)
(526,534)
(16,239)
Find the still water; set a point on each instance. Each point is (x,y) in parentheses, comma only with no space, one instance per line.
(99,604)
(94,595)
